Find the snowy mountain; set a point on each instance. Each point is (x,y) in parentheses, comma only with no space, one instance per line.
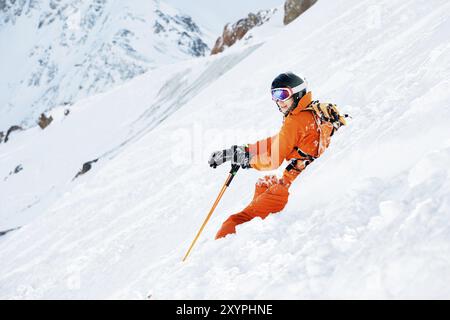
(369,219)
(58,52)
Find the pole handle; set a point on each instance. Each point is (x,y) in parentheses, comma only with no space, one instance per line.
(233,171)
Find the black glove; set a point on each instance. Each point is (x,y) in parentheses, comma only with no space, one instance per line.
(236,154)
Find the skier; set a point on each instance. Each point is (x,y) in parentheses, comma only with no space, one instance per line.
(303,137)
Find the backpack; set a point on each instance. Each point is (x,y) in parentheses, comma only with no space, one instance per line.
(327,112)
(328,119)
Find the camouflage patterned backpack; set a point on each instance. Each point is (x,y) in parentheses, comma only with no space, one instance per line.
(328,120)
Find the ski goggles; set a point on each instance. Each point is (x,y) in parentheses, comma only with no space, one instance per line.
(283,94)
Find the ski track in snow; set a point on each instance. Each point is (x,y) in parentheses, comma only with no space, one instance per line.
(369,219)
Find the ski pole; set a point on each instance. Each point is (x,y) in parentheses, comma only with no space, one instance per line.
(234,169)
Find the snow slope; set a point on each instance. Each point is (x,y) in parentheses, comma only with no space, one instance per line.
(97,127)
(369,219)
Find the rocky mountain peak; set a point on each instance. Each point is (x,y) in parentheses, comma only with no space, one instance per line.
(236,31)
(294,8)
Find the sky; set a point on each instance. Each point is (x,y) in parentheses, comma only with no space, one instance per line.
(215,14)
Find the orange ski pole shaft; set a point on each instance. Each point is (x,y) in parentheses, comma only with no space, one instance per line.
(234,169)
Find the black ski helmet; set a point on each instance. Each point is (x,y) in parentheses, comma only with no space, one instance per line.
(291,80)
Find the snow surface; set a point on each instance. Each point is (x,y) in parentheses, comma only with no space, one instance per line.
(369,219)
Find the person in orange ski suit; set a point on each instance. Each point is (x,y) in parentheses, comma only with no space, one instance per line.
(297,141)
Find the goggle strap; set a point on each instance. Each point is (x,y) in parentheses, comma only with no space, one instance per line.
(299,88)
(296,89)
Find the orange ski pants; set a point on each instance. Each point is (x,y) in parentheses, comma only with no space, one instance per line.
(271,196)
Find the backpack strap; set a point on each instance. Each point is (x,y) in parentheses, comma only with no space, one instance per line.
(305,158)
(304,155)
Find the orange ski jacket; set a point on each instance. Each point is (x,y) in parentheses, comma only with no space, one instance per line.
(299,129)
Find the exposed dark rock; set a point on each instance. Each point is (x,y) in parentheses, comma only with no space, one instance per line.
(294,8)
(188,23)
(158,27)
(66,112)
(86,167)
(2,233)
(17,169)
(235,32)
(11,129)
(44,121)
(2,135)
(2,5)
